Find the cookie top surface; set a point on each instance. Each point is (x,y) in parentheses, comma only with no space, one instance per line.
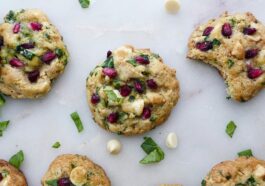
(240,172)
(10,176)
(77,170)
(32,54)
(132,92)
(235,45)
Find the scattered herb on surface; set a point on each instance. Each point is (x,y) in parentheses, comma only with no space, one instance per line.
(84,3)
(3,127)
(154,153)
(78,123)
(56,145)
(17,159)
(247,153)
(230,128)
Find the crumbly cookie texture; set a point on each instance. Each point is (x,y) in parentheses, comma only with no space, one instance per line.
(240,172)
(235,45)
(132,91)
(10,176)
(75,170)
(32,54)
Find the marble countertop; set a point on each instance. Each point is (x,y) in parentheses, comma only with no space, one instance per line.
(199,119)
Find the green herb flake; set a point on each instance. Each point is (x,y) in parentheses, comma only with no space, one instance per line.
(233,22)
(131,98)
(2,100)
(154,153)
(112,97)
(59,52)
(17,159)
(24,52)
(10,17)
(3,127)
(56,145)
(153,118)
(52,182)
(108,63)
(230,128)
(78,123)
(84,3)
(216,42)
(203,183)
(230,63)
(206,38)
(246,153)
(132,62)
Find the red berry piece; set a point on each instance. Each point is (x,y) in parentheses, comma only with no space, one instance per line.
(111,72)
(113,117)
(251,53)
(15,62)
(249,31)
(36,26)
(33,76)
(227,30)
(95,99)
(16,28)
(48,57)
(125,90)
(207,31)
(204,46)
(151,84)
(146,113)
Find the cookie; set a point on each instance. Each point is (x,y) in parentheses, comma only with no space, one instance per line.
(242,171)
(11,176)
(32,54)
(235,45)
(132,91)
(75,170)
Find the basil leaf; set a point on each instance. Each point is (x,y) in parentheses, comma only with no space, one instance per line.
(132,62)
(247,153)
(230,63)
(108,63)
(230,128)
(56,145)
(154,157)
(216,42)
(149,145)
(203,183)
(3,126)
(78,123)
(52,182)
(10,17)
(84,3)
(2,100)
(112,97)
(17,159)
(59,52)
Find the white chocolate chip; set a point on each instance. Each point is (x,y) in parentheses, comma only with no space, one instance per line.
(78,176)
(260,171)
(172,6)
(171,140)
(114,146)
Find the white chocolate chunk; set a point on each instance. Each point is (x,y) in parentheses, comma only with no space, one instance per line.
(5,181)
(78,176)
(172,6)
(260,171)
(114,146)
(135,107)
(171,140)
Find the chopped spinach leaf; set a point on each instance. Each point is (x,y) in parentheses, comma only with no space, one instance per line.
(108,63)
(112,97)
(84,3)
(24,52)
(247,153)
(230,128)
(17,159)
(216,42)
(230,63)
(78,123)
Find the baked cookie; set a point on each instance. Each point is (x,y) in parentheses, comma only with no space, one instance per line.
(243,171)
(132,91)
(75,170)
(11,176)
(235,45)
(32,54)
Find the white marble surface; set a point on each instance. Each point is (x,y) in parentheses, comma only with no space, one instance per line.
(199,119)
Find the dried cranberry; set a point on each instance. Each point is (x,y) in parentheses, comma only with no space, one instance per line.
(151,84)
(1,177)
(33,76)
(28,45)
(1,41)
(139,87)
(15,62)
(207,31)
(111,72)
(143,59)
(204,46)
(125,90)
(95,98)
(251,53)
(16,28)
(146,113)
(254,73)
(48,57)
(64,182)
(227,30)
(36,26)
(249,31)
(113,117)
(109,53)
